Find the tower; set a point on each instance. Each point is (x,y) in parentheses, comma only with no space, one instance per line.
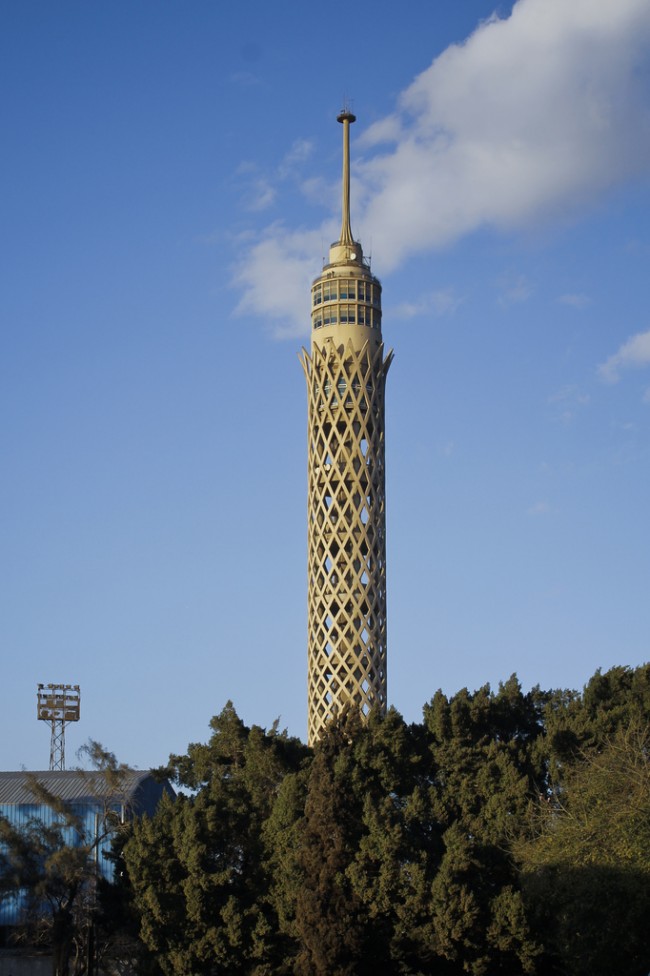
(58,705)
(346,376)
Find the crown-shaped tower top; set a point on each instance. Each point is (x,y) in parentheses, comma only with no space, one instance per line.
(346,296)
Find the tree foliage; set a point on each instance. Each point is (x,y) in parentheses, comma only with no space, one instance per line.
(198,867)
(51,865)
(586,859)
(507,834)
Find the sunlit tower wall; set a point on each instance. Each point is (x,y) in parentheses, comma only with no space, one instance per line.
(58,705)
(346,377)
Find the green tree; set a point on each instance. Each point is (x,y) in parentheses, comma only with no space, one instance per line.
(406,849)
(340,849)
(575,722)
(586,863)
(399,862)
(198,867)
(479,750)
(329,917)
(51,864)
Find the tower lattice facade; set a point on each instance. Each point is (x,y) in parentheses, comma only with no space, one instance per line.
(346,377)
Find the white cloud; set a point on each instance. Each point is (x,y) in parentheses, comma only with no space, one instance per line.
(634,352)
(316,189)
(261,194)
(575,300)
(514,289)
(257,191)
(387,129)
(532,117)
(441,302)
(567,401)
(571,394)
(299,153)
(275,275)
(260,189)
(528,116)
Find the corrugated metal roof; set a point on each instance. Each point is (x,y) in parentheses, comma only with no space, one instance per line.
(90,795)
(72,785)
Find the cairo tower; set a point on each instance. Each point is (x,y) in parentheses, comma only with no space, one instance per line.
(346,378)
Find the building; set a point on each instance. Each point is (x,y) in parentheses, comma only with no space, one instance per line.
(346,375)
(96,800)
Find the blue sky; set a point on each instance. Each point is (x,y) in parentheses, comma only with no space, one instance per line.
(170,179)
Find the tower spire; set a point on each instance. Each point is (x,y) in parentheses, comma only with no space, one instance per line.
(346,117)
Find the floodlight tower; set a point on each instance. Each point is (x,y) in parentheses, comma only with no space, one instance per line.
(58,705)
(346,375)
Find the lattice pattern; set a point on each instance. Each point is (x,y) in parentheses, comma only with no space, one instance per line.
(347,529)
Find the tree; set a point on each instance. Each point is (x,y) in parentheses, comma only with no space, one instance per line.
(409,849)
(330,922)
(478,751)
(198,868)
(50,863)
(388,858)
(586,862)
(574,722)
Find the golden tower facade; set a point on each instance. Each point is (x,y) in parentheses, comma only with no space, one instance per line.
(346,377)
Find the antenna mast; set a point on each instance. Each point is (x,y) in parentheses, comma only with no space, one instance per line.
(346,117)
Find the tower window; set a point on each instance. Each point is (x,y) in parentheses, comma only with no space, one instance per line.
(365,291)
(330,291)
(318,295)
